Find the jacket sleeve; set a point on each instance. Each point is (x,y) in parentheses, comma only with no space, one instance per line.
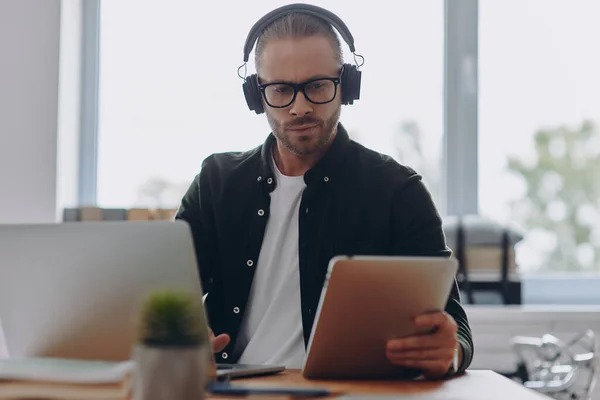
(196,209)
(418,232)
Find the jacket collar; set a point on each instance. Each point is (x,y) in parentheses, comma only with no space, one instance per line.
(324,171)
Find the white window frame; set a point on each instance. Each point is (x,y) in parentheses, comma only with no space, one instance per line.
(460,107)
(90,75)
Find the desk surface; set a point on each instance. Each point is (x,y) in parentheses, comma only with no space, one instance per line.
(474,385)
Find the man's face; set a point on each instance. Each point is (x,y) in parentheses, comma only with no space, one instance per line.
(303,128)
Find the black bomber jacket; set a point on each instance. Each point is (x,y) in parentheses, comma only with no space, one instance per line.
(357,202)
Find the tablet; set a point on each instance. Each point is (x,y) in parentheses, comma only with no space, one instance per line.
(366,301)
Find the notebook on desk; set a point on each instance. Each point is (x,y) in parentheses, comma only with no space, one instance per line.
(72,291)
(66,379)
(51,378)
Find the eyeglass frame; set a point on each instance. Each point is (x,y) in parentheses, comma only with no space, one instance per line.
(300,87)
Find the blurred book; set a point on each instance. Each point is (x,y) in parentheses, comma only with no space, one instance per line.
(53,378)
(488,258)
(139,214)
(86,214)
(164,213)
(90,214)
(114,214)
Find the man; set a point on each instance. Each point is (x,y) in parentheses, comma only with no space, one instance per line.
(266,222)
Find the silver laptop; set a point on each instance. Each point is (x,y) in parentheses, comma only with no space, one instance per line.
(73,290)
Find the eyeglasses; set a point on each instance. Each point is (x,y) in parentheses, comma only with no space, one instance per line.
(317,91)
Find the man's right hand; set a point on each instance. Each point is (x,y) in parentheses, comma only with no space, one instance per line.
(218,343)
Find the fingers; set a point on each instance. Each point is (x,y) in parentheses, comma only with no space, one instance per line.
(430,369)
(425,342)
(220,342)
(445,354)
(431,353)
(444,334)
(440,320)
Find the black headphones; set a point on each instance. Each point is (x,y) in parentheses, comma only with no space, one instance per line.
(351,75)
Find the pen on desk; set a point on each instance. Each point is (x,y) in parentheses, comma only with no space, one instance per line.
(234,390)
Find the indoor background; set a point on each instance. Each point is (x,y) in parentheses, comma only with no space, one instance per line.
(113,105)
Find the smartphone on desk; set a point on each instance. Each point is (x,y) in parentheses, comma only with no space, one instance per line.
(226,388)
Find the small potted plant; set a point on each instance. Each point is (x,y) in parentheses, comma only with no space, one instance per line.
(172,353)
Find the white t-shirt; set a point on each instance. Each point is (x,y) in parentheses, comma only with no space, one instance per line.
(271,331)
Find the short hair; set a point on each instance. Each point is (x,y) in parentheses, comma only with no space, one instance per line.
(298,25)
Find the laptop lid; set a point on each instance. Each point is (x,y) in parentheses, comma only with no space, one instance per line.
(73,290)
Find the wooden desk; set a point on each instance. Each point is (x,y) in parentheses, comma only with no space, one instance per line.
(474,385)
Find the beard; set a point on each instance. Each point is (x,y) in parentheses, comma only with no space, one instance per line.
(304,145)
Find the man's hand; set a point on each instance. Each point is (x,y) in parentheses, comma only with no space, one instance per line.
(431,353)
(218,343)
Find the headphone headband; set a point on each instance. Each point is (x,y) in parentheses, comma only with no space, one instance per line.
(351,76)
(315,11)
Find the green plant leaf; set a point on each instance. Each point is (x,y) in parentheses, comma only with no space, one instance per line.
(172,318)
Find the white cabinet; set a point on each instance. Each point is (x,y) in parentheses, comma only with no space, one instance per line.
(494,326)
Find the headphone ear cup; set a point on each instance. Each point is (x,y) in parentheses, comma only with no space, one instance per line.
(351,78)
(252,94)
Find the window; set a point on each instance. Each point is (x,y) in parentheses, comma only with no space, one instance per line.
(539,128)
(512,134)
(170,94)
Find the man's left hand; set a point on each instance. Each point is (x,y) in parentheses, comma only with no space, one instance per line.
(431,353)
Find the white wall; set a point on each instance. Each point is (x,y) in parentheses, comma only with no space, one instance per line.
(29,83)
